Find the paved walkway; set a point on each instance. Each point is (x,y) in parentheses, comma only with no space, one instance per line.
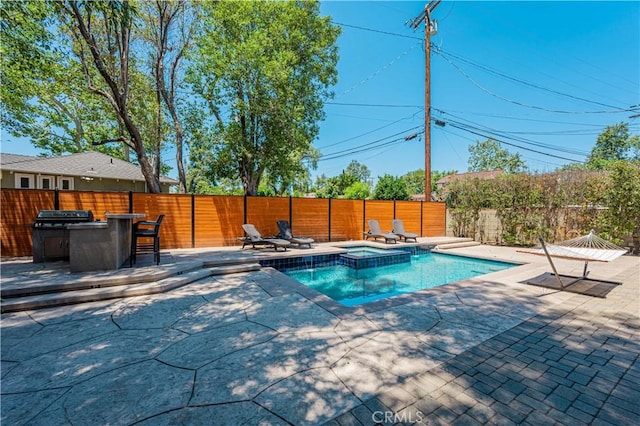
(257,348)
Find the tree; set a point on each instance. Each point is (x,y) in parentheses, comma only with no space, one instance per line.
(171,26)
(82,85)
(622,197)
(359,171)
(297,178)
(335,186)
(614,143)
(101,32)
(390,188)
(487,156)
(42,93)
(465,200)
(263,70)
(415,180)
(357,191)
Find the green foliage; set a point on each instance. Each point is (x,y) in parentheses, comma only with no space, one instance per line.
(263,70)
(622,197)
(358,171)
(554,206)
(415,180)
(613,144)
(44,97)
(335,186)
(487,156)
(518,199)
(353,182)
(465,200)
(357,191)
(390,188)
(293,180)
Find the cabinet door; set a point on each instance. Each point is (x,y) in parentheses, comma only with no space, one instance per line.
(56,247)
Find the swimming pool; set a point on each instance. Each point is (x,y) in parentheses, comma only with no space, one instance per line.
(352,287)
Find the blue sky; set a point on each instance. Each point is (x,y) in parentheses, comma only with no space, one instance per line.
(534,74)
(501,69)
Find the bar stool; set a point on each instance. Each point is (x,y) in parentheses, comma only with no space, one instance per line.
(149,230)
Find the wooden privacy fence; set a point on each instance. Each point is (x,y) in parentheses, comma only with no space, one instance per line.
(193,221)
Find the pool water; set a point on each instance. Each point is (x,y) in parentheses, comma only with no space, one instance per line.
(353,287)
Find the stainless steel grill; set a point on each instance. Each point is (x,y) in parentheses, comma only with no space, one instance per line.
(50,233)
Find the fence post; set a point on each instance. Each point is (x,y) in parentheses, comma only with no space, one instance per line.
(329,220)
(244,216)
(394,208)
(421,212)
(291,211)
(193,220)
(56,199)
(130,201)
(364,214)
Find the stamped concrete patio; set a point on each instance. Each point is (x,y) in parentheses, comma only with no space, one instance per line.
(258,348)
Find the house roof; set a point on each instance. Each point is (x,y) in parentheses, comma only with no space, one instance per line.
(492,174)
(90,164)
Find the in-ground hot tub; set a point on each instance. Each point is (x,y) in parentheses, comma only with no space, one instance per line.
(360,257)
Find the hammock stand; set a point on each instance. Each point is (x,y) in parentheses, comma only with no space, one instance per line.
(587,248)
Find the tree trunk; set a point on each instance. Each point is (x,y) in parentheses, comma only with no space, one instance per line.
(118,83)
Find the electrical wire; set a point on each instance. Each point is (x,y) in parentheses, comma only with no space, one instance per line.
(475,83)
(506,117)
(509,135)
(484,135)
(368,146)
(517,80)
(374,105)
(404,132)
(371,76)
(377,31)
(366,133)
(350,153)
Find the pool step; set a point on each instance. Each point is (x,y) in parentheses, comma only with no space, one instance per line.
(468,243)
(110,291)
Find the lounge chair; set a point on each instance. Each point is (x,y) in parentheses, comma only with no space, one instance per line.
(398,229)
(254,238)
(375,232)
(285,233)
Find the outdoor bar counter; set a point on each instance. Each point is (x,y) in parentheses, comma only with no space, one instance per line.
(101,246)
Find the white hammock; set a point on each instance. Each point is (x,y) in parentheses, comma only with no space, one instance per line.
(588,248)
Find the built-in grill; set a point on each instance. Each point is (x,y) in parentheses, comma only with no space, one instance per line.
(50,233)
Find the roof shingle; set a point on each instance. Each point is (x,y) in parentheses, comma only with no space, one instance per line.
(91,164)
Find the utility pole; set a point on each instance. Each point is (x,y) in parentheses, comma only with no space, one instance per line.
(430,27)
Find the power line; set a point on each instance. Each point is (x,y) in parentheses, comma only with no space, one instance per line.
(374,105)
(376,31)
(520,81)
(379,143)
(508,134)
(371,76)
(364,134)
(445,132)
(484,135)
(475,83)
(506,117)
